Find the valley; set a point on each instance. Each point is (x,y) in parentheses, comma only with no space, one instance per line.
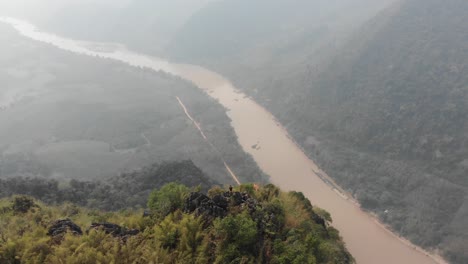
(360,105)
(108,119)
(279,156)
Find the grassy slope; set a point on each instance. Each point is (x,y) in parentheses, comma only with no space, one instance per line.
(290,236)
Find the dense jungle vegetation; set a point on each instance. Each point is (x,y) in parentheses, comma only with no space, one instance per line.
(248,224)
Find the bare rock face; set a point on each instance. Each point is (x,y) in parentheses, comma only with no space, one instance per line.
(114,230)
(61,227)
(242,199)
(204,205)
(221,201)
(196,200)
(219,204)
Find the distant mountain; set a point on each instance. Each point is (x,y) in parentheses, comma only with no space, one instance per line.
(149,25)
(145,25)
(264,46)
(383,109)
(228,28)
(395,101)
(410,66)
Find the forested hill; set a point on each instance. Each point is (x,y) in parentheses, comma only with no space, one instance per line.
(144,25)
(402,80)
(248,224)
(229,28)
(383,112)
(128,190)
(395,101)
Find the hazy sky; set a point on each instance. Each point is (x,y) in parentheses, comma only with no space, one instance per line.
(42,9)
(39,9)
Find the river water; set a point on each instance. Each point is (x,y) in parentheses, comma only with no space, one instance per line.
(276,154)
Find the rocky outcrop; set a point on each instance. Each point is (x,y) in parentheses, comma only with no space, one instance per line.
(61,227)
(319,220)
(114,230)
(221,201)
(242,199)
(200,204)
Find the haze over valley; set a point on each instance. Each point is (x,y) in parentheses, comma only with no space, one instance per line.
(358,107)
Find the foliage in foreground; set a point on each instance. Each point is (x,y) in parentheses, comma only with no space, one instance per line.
(282,228)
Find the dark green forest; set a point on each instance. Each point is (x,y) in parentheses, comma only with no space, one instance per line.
(128,190)
(248,224)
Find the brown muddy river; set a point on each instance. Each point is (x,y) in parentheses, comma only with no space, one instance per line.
(277,155)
